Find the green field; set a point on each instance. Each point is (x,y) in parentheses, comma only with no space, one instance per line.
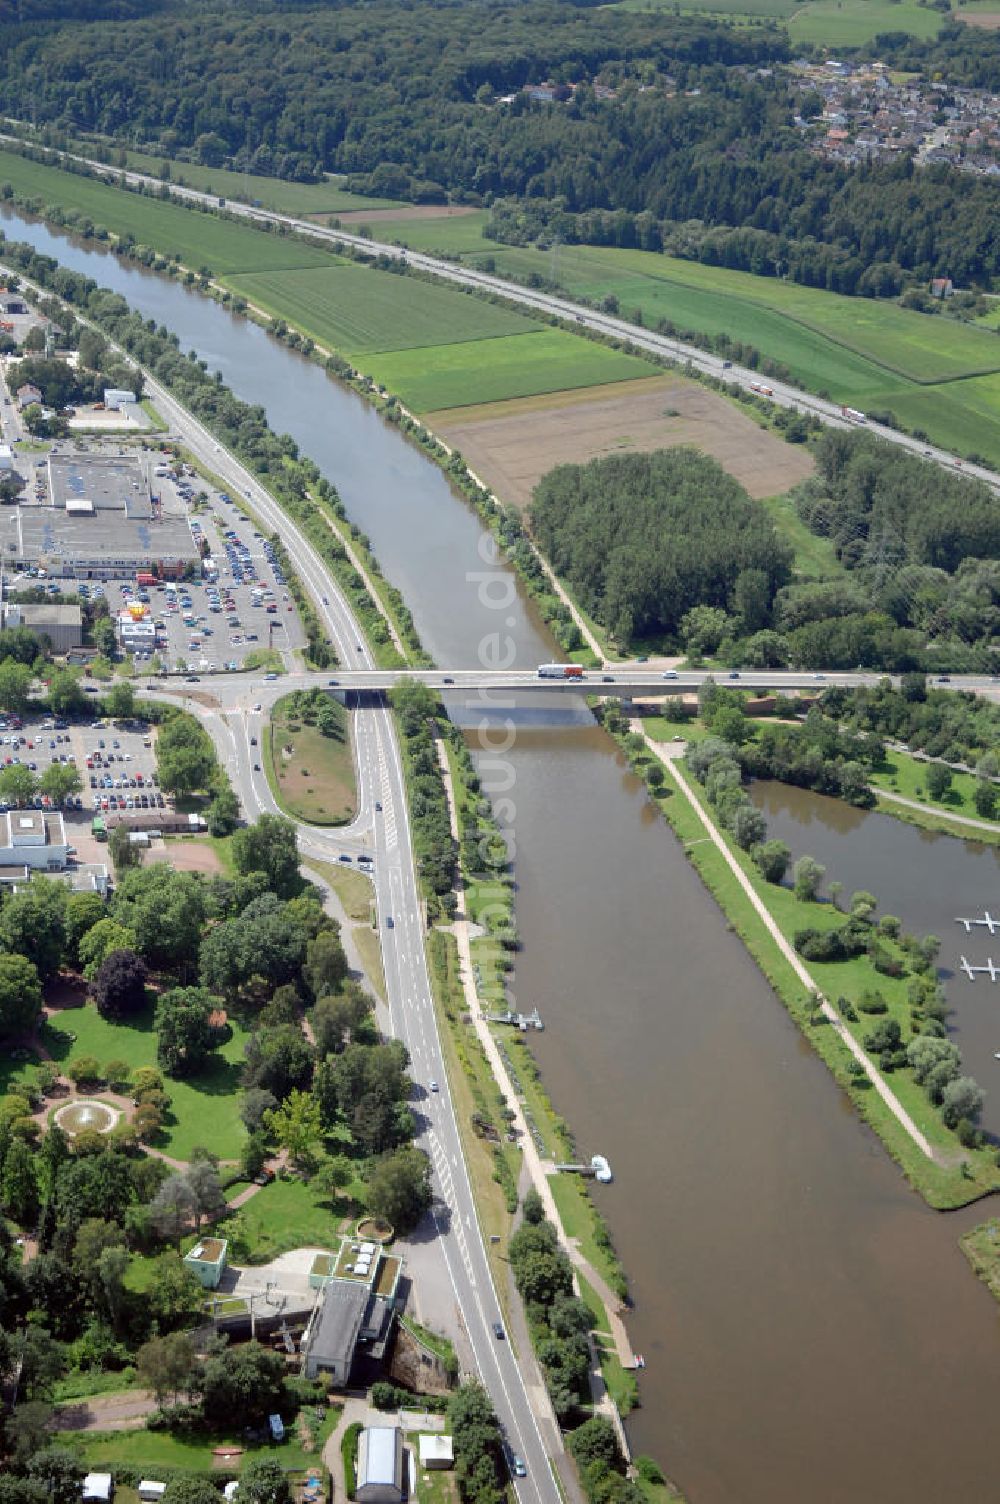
(311,775)
(360,310)
(198,239)
(460,236)
(283,1215)
(830,23)
(204,1110)
(522,365)
(271,193)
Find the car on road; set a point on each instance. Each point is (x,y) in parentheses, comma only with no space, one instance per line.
(378,806)
(447,679)
(434,1086)
(390,923)
(253,741)
(333,683)
(670,673)
(734,674)
(256,767)
(607,678)
(518,1467)
(498,1330)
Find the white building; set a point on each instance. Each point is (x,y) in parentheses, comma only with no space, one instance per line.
(115,398)
(33,838)
(6,457)
(380,1466)
(97,1487)
(136,635)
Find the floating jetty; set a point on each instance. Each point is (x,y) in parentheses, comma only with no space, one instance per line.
(597,1169)
(990,970)
(987,922)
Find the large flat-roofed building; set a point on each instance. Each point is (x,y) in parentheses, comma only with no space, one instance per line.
(33,838)
(62,625)
(102,520)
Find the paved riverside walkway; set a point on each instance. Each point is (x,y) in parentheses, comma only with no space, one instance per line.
(670,759)
(539,1169)
(939,814)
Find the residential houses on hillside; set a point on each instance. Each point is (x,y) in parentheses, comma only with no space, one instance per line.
(869,115)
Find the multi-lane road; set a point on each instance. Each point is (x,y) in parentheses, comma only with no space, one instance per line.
(627,680)
(564,308)
(381,828)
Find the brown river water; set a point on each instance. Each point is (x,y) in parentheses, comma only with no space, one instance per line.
(811,1331)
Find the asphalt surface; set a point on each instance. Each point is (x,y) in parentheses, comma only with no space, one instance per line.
(642,339)
(385,834)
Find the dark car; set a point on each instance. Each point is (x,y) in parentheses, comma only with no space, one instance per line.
(498,1330)
(735,674)
(447,679)
(389,922)
(264,1178)
(607,678)
(333,683)
(378,806)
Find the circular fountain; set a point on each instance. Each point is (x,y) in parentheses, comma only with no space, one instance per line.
(86,1116)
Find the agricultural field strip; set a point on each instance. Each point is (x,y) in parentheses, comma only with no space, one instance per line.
(345,308)
(893,333)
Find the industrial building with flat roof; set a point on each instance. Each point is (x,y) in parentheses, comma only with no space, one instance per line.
(62,625)
(102,520)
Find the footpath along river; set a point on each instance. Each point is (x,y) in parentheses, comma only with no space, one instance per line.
(812,1332)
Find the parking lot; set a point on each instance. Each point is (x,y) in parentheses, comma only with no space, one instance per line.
(238,605)
(116,763)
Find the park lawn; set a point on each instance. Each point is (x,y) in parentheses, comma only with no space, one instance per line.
(522,365)
(150,1450)
(359,309)
(204,1110)
(198,239)
(313,774)
(902,774)
(284,1215)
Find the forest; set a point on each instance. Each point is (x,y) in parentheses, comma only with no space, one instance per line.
(644,537)
(689,136)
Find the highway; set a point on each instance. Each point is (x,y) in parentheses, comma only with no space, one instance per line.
(384,833)
(241,692)
(662,345)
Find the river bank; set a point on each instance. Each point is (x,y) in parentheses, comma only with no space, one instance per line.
(764,1229)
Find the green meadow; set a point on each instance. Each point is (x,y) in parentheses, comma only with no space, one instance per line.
(523,365)
(358,310)
(830,23)
(198,239)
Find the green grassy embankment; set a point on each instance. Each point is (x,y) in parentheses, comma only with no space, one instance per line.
(311,774)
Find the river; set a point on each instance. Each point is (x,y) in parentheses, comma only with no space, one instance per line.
(811,1330)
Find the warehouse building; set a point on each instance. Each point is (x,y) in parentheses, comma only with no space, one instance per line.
(102,520)
(62,625)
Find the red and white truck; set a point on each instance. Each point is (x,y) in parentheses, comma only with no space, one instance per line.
(560,671)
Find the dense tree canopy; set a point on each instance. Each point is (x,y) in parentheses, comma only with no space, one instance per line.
(644,537)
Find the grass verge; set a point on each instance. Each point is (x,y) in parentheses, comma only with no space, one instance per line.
(311,772)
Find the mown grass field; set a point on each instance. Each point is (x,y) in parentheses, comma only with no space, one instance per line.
(198,239)
(492,370)
(283,1215)
(907,775)
(203,1110)
(360,310)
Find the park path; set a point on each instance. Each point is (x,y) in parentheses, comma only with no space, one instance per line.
(940,814)
(354,1410)
(538,1168)
(670,760)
